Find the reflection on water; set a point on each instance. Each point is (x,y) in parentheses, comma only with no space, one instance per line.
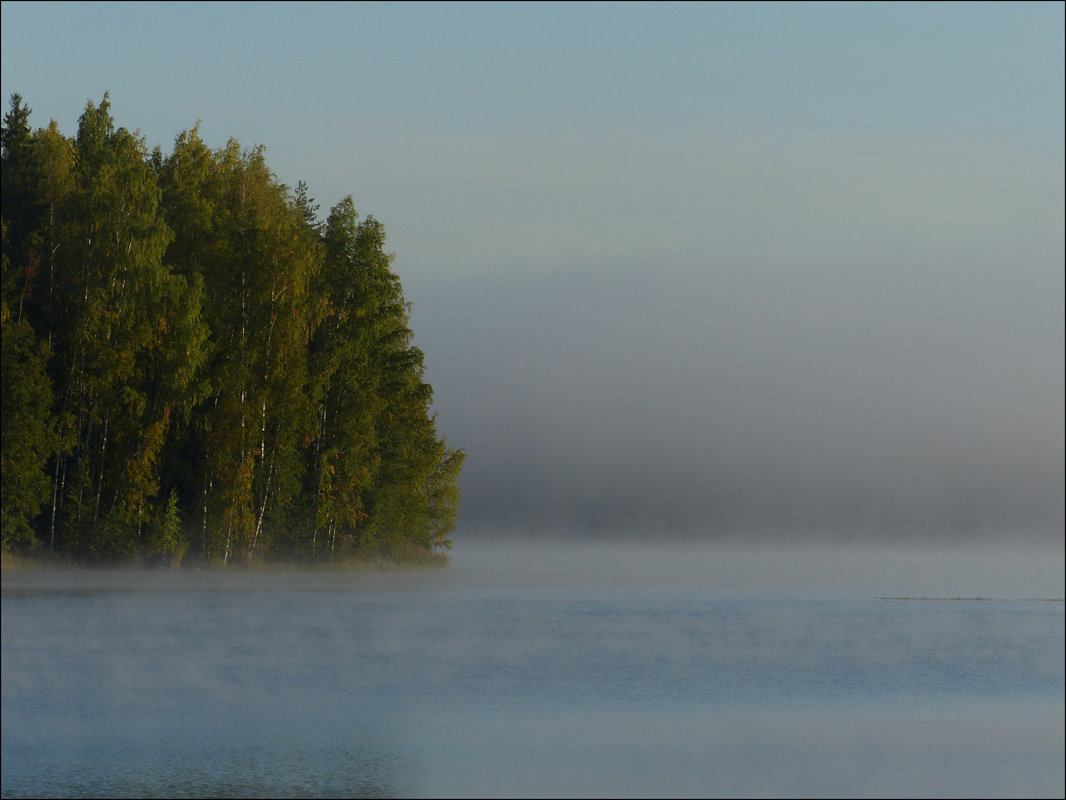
(540,672)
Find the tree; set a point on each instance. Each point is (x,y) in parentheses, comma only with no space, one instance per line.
(193,361)
(385,481)
(130,342)
(255,251)
(29,435)
(21,208)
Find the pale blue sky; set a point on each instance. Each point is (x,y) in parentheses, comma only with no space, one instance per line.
(639,238)
(469,128)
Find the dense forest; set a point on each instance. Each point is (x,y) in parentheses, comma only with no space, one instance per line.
(198,369)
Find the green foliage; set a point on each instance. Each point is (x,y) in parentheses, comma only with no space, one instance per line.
(119,363)
(166,542)
(225,375)
(29,433)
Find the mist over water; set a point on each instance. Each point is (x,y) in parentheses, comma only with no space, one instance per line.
(539,668)
(883,397)
(980,570)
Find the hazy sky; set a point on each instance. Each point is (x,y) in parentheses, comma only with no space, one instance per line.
(708,268)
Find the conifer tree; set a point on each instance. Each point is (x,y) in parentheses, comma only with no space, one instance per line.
(31,431)
(383,474)
(29,435)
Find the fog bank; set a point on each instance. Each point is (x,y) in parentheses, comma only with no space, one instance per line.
(889,397)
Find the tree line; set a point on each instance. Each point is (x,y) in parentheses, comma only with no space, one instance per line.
(196,367)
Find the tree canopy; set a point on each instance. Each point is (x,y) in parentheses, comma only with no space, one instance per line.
(195,367)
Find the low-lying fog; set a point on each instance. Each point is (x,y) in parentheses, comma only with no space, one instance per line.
(987,571)
(512,561)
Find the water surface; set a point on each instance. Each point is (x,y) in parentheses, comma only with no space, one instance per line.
(537,671)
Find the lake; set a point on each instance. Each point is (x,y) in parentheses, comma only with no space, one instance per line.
(538,670)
